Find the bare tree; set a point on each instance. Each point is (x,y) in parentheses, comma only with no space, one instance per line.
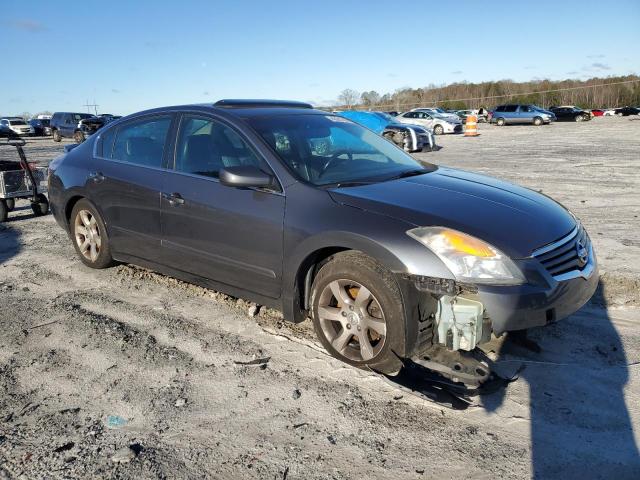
(348,97)
(370,98)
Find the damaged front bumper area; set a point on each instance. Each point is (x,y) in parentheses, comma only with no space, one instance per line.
(466,315)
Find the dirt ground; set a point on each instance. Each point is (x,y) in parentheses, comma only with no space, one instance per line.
(123,373)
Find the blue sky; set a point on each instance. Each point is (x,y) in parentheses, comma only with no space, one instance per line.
(132,55)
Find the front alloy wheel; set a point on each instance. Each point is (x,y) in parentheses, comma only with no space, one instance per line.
(357,312)
(352,320)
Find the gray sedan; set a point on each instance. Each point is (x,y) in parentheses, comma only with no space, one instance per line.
(308,212)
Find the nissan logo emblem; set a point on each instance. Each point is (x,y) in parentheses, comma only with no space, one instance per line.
(583,254)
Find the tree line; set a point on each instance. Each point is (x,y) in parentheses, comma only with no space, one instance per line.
(593,93)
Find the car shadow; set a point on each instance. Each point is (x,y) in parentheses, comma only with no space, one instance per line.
(576,372)
(10,245)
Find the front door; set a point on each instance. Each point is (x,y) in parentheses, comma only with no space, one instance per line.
(231,235)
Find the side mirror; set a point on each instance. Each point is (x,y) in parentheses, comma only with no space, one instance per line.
(245,176)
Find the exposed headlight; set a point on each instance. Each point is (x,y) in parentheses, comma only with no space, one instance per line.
(468,258)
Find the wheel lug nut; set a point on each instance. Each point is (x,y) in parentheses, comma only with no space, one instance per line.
(344,314)
(359,328)
(350,307)
(348,326)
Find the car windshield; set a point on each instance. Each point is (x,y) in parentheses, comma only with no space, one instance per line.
(328,150)
(17,122)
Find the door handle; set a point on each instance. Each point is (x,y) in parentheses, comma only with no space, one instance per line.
(96,177)
(174,199)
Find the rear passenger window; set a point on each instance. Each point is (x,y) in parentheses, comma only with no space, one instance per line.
(205,146)
(104,148)
(500,108)
(142,142)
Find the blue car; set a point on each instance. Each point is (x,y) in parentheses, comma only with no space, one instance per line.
(522,114)
(411,138)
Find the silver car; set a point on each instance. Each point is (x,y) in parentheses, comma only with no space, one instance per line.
(436,122)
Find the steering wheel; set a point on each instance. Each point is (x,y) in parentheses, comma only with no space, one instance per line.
(334,160)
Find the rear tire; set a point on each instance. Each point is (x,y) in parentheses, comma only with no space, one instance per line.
(4,211)
(500,122)
(11,203)
(359,327)
(89,235)
(78,137)
(537,121)
(56,136)
(41,206)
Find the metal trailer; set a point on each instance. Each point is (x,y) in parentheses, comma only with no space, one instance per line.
(21,179)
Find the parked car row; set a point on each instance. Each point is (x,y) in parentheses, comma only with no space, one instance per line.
(59,125)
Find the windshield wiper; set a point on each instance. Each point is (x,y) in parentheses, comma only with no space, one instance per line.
(409,173)
(351,183)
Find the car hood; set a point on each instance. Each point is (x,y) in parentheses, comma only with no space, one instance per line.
(514,219)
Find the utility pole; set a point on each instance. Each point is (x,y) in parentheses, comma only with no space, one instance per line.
(94,105)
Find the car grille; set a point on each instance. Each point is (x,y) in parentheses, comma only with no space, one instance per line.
(569,254)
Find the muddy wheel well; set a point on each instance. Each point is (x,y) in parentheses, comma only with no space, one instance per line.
(307,272)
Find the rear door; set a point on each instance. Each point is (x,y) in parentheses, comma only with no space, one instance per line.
(230,235)
(510,113)
(125,183)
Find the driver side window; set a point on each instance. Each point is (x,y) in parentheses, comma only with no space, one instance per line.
(205,146)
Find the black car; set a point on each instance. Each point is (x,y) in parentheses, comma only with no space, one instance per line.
(570,114)
(66,125)
(89,126)
(626,111)
(305,211)
(41,126)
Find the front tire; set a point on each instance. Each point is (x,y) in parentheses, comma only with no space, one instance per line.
(89,236)
(579,118)
(56,136)
(357,312)
(537,121)
(438,130)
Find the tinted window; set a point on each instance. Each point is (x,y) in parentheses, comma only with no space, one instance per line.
(510,108)
(205,146)
(410,115)
(142,142)
(105,143)
(500,108)
(525,108)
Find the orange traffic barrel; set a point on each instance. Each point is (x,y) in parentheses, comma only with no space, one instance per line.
(471,126)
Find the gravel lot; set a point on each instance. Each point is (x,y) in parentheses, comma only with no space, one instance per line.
(123,373)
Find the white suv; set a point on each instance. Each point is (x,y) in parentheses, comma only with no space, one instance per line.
(17,125)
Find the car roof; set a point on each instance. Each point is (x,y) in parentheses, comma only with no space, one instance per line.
(243,108)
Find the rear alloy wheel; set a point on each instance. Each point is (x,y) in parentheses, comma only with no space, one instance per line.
(357,312)
(537,121)
(90,236)
(56,136)
(500,122)
(438,130)
(78,137)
